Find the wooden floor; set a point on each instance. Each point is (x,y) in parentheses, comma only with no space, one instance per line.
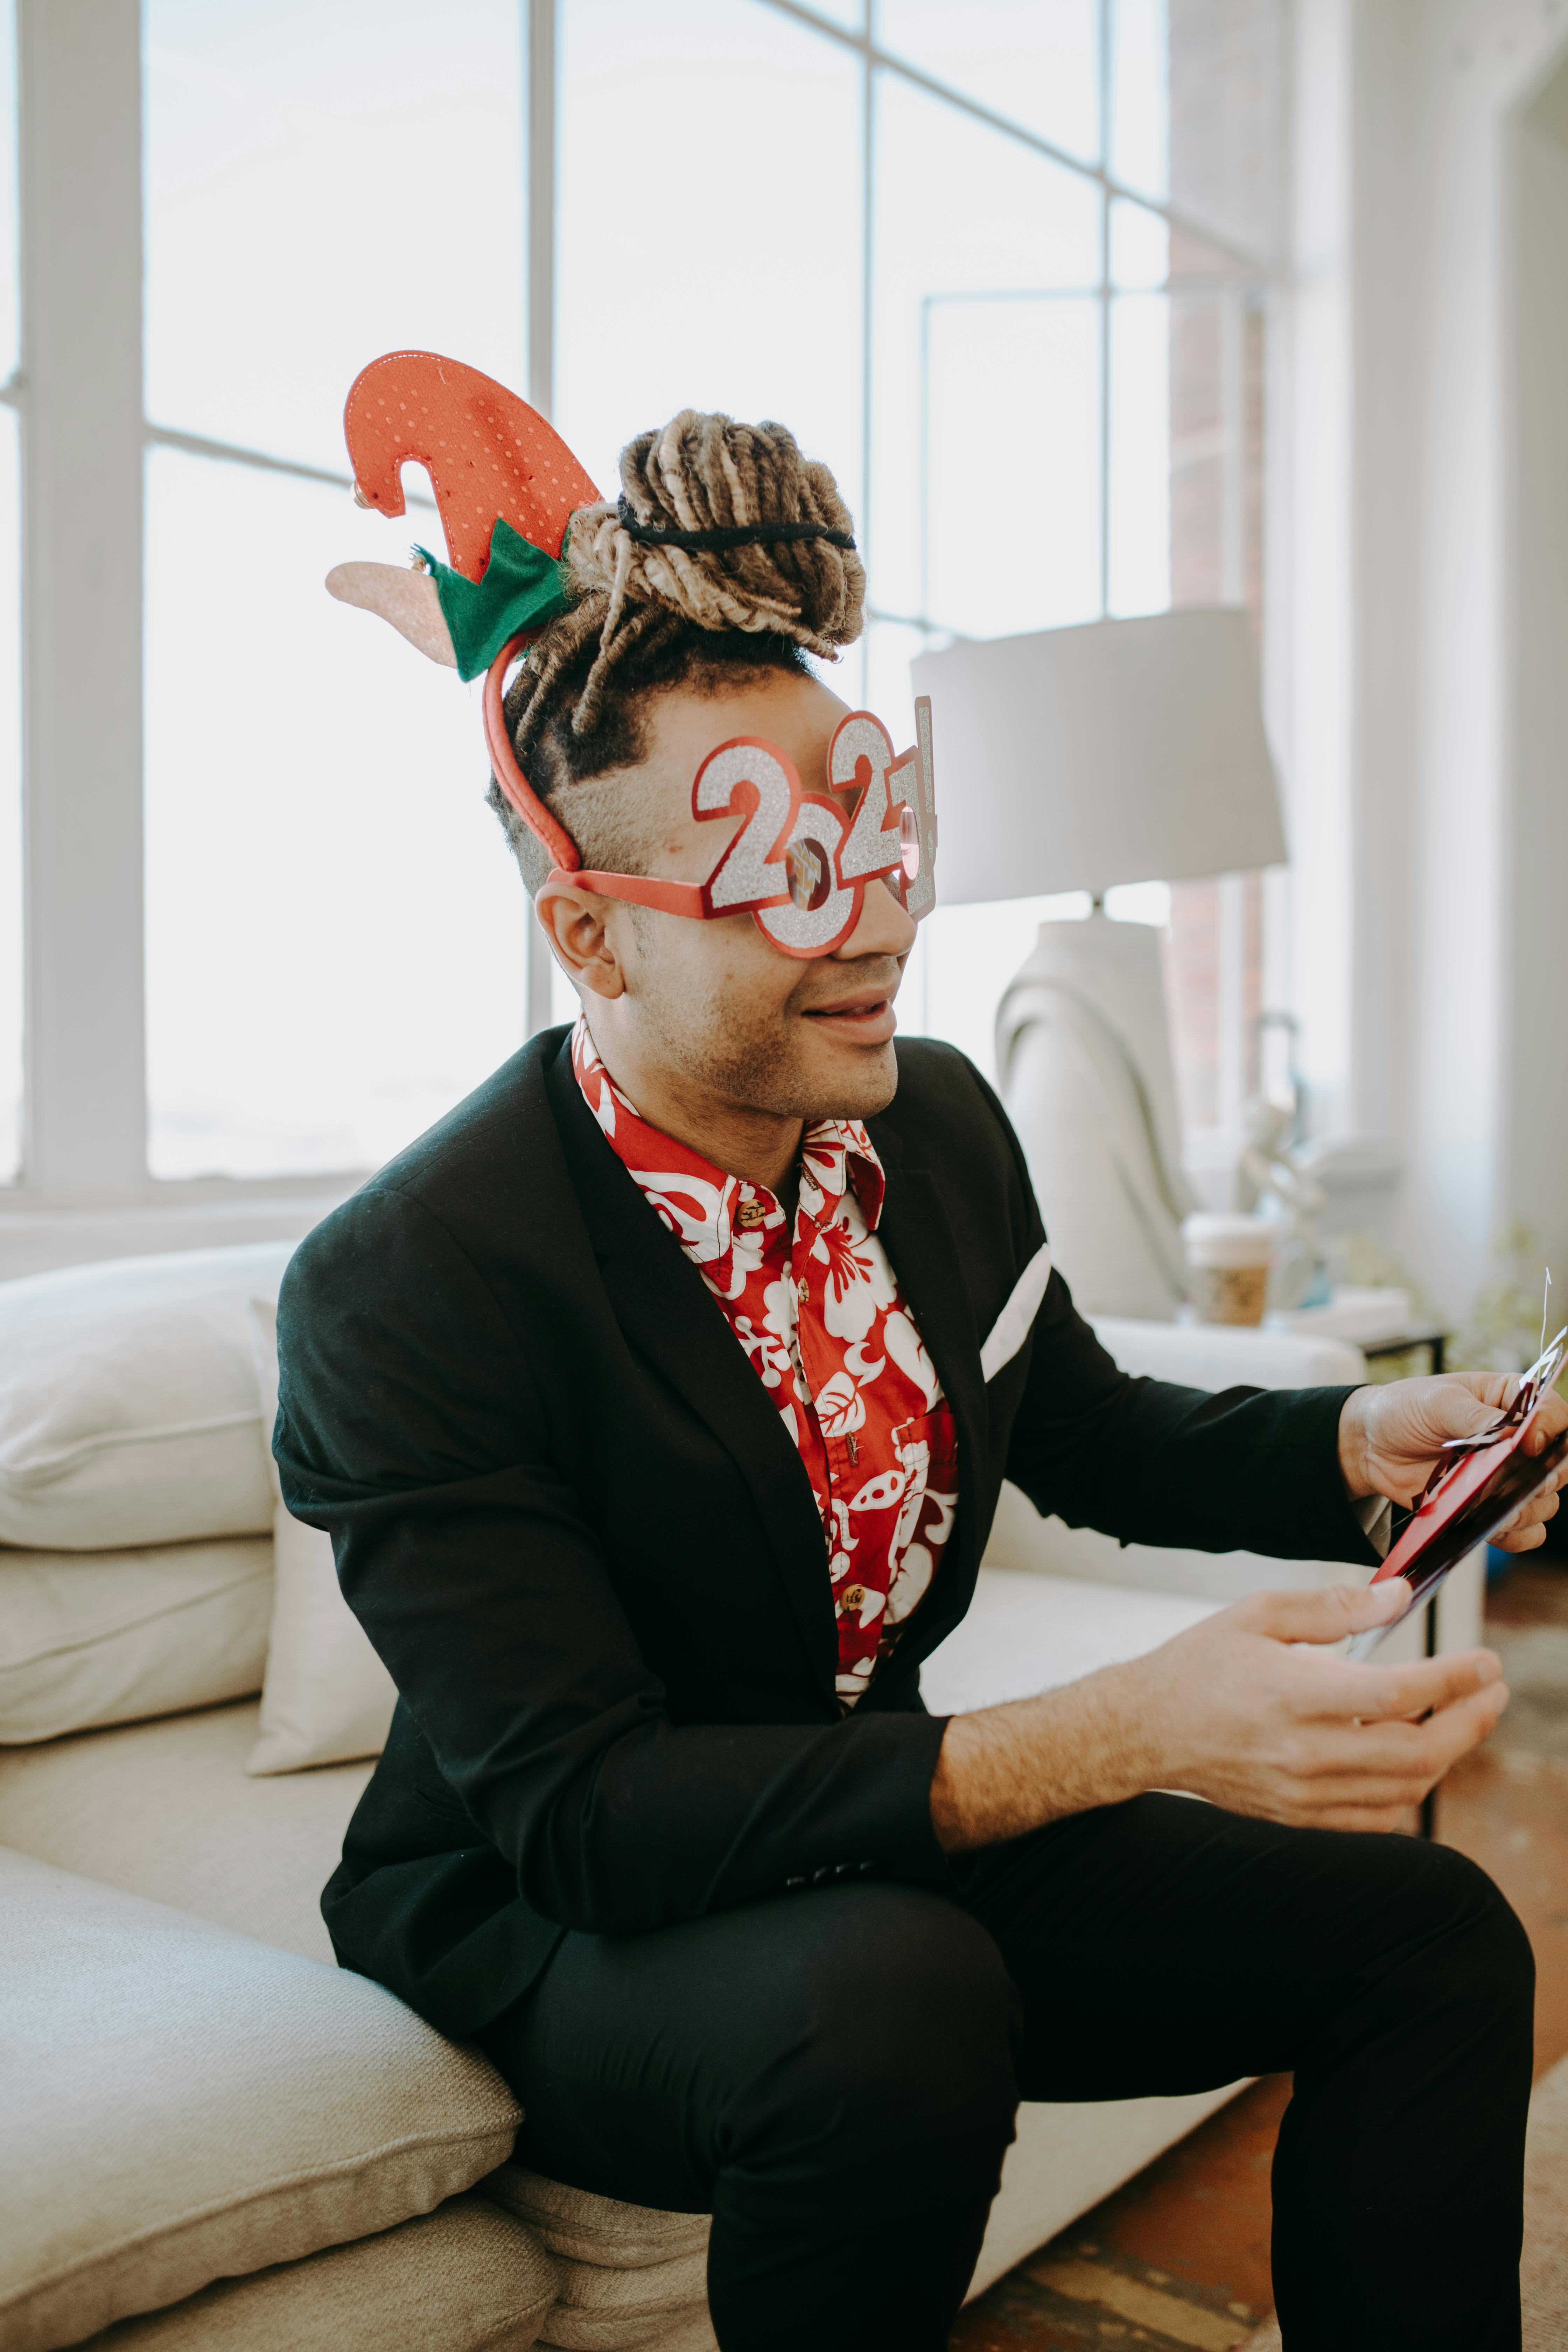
(1179,2258)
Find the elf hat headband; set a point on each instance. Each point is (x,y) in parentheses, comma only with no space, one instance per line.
(505,489)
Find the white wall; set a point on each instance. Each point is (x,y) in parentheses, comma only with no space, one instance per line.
(1424,738)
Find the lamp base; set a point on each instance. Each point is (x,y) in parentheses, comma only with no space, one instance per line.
(1083,1052)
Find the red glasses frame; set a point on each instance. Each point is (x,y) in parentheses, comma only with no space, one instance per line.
(799,864)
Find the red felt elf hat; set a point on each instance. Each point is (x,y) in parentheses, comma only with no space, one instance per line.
(506,487)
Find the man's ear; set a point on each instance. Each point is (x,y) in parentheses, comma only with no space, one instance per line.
(405,598)
(574,921)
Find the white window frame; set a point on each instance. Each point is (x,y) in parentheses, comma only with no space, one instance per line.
(79,394)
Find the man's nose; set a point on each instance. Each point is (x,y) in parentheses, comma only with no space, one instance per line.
(883,929)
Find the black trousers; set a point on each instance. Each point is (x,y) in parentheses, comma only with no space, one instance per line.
(834,2075)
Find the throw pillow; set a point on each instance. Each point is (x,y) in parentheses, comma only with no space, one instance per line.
(89,1638)
(183,2105)
(327,1697)
(128,1404)
(465,2278)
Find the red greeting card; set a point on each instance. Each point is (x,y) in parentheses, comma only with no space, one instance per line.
(1480,1482)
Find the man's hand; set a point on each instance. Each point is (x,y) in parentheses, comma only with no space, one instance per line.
(1231,1710)
(1246,1718)
(1390,1437)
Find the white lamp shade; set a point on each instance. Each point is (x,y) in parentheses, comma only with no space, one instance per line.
(1123,751)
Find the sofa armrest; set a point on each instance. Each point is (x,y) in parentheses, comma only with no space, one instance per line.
(1226,1355)
(1021,1538)
(1197,1355)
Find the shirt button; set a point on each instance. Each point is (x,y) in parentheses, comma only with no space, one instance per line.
(803,1287)
(800,1882)
(820,1877)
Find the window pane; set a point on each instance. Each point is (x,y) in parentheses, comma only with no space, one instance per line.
(1031,370)
(850,14)
(1140,94)
(1035,61)
(1139,453)
(1011,379)
(10,806)
(334,925)
(10,300)
(680,286)
(324,183)
(1140,246)
(889,648)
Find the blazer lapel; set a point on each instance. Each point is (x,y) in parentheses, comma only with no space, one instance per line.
(667,1313)
(916,1234)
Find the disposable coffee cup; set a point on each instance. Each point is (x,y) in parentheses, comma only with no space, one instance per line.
(1228,1262)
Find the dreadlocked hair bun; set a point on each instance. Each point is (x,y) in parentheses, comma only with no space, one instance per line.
(648,617)
(698,474)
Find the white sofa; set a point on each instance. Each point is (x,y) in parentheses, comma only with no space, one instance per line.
(216,2138)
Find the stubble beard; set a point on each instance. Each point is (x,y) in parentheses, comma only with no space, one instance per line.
(766,1065)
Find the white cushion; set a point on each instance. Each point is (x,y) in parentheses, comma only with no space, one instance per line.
(327,1697)
(467,2278)
(1228,1355)
(105,1637)
(1025,1633)
(165,1810)
(183,2105)
(129,1412)
(1020,1538)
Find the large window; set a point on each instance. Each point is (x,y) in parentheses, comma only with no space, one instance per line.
(975,278)
(334,948)
(1003,266)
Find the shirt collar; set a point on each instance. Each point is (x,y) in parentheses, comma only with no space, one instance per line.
(696,1200)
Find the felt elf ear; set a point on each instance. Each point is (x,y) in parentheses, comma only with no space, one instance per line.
(505,486)
(409,600)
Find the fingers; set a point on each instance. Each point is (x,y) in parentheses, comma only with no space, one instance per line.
(1527,1528)
(1381,1819)
(1369,1693)
(1368,1779)
(1529,1538)
(1493,1390)
(1367,1758)
(1540,1505)
(1550,1421)
(1350,1689)
(1325,1616)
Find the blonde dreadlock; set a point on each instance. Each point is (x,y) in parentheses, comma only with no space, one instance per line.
(772,574)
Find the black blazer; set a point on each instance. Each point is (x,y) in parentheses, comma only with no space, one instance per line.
(569,1518)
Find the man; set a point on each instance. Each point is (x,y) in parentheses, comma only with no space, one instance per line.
(587,1386)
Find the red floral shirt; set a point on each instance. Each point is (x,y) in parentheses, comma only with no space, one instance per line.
(818,1313)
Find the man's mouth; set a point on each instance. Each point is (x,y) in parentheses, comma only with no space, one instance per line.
(866,1019)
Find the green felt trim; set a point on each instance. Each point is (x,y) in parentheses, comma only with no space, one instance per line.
(522,588)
